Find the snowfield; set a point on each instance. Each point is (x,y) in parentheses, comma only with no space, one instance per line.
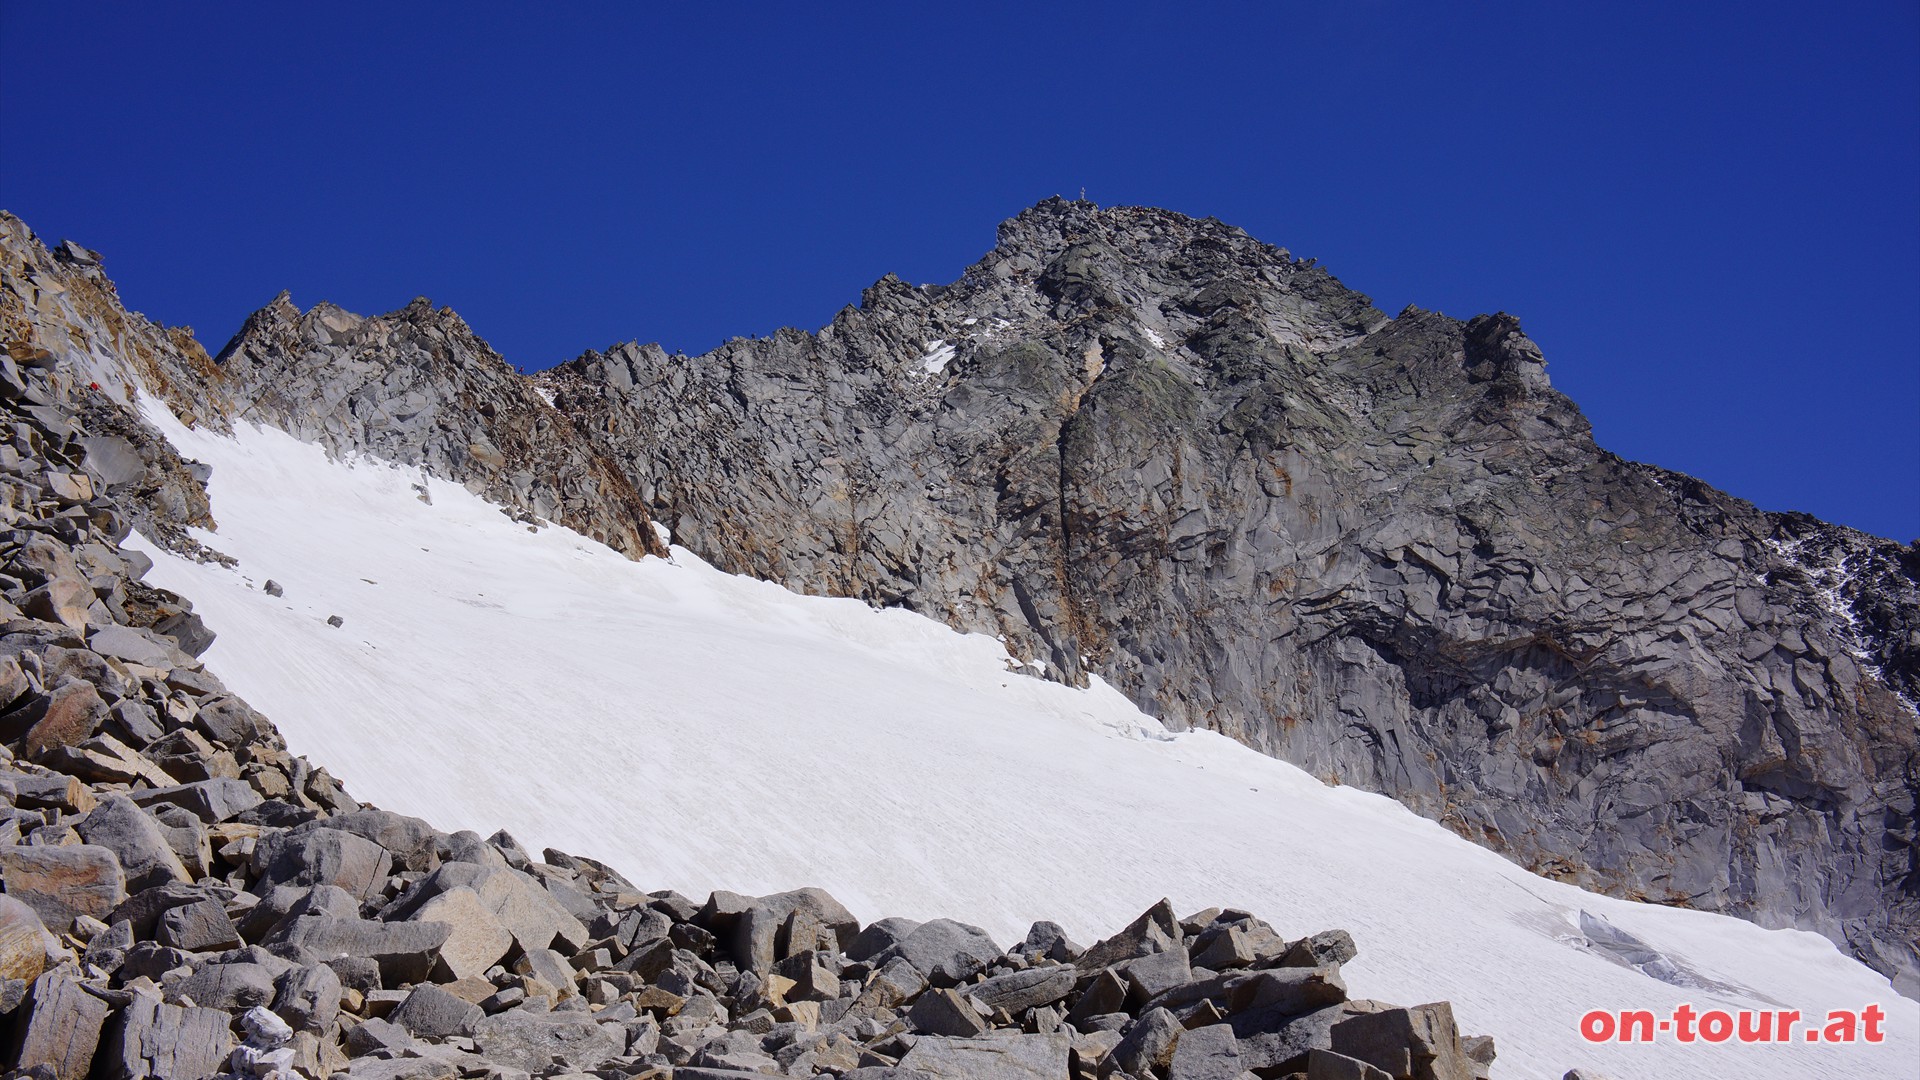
(699,731)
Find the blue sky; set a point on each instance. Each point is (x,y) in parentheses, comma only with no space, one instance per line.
(1707,215)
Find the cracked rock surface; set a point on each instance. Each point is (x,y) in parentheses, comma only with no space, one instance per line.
(1151,448)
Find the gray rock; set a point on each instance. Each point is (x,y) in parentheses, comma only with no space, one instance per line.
(1327,947)
(993,1057)
(1277,1041)
(477,940)
(1327,1065)
(134,645)
(401,1068)
(532,1042)
(405,951)
(1273,994)
(226,986)
(227,720)
(308,998)
(1421,1042)
(376,1034)
(432,1013)
(551,969)
(322,856)
(212,801)
(114,459)
(1157,930)
(1017,991)
(527,911)
(759,930)
(151,1038)
(878,938)
(943,950)
(197,927)
(1150,976)
(1206,1053)
(1146,1045)
(945,1012)
(1049,940)
(62,1029)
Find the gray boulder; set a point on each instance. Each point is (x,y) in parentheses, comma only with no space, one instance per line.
(532,1041)
(432,1013)
(993,1057)
(944,951)
(156,1040)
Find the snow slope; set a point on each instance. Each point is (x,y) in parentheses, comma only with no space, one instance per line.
(699,731)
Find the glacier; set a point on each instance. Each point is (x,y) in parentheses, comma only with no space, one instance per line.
(697,731)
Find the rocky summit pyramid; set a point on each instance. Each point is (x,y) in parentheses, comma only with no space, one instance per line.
(1153,449)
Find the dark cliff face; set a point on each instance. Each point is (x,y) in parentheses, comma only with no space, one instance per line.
(1384,549)
(418,387)
(1154,449)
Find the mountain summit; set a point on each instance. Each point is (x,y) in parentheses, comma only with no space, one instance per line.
(1151,448)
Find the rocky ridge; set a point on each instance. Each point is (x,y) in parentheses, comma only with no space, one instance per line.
(184,898)
(1150,447)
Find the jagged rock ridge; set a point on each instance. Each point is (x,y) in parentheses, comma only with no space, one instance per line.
(1150,447)
(171,874)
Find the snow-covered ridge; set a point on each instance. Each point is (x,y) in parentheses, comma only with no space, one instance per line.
(698,730)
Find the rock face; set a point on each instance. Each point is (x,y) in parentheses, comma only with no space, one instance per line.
(1151,448)
(349,941)
(1386,550)
(417,387)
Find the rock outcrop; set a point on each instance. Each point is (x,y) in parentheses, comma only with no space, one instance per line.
(232,907)
(1155,449)
(1152,448)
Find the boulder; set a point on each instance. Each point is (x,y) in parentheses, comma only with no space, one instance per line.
(1146,1045)
(1156,930)
(62,883)
(531,1041)
(226,986)
(527,911)
(1017,991)
(1206,1053)
(152,1040)
(432,1013)
(878,938)
(136,646)
(760,930)
(198,927)
(405,951)
(945,951)
(308,998)
(993,1057)
(1421,1042)
(945,1012)
(1049,940)
(212,801)
(143,909)
(69,716)
(24,941)
(61,1030)
(477,940)
(136,840)
(321,856)
(1327,1065)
